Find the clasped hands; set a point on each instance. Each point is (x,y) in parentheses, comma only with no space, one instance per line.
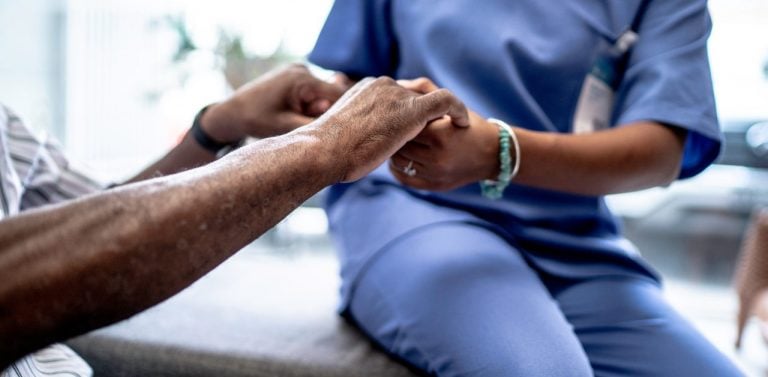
(432,141)
(445,156)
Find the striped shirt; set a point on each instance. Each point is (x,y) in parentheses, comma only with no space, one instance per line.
(34,173)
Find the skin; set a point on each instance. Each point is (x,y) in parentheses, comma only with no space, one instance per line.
(622,159)
(71,268)
(295,99)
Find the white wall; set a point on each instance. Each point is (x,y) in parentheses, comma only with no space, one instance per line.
(115,58)
(738,50)
(31,67)
(97,74)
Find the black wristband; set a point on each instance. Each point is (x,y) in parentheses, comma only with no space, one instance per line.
(205,140)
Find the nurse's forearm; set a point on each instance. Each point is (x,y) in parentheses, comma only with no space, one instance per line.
(623,159)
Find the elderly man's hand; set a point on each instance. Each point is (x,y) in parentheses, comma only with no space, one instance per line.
(443,157)
(376,118)
(272,105)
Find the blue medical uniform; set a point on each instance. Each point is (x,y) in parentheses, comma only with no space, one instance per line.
(539,282)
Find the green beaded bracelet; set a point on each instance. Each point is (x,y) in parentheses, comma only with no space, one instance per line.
(494,189)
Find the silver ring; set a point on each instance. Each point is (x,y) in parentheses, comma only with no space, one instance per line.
(410,170)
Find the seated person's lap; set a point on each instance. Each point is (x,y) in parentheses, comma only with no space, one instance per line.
(456,299)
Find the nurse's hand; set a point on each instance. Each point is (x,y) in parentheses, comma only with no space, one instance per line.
(444,156)
(375,118)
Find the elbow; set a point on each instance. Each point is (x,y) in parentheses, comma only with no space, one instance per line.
(669,173)
(670,156)
(661,168)
(661,171)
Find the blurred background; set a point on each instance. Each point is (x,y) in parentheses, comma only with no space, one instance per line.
(118,82)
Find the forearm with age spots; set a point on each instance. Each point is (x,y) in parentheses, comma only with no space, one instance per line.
(71,268)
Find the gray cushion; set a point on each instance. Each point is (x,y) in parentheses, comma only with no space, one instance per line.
(255,315)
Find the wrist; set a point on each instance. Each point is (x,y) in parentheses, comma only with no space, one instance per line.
(201,135)
(492,166)
(509,161)
(220,124)
(325,150)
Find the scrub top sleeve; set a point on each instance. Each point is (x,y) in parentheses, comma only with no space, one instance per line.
(357,39)
(668,79)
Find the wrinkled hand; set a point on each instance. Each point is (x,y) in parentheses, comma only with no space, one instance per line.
(444,157)
(274,104)
(376,118)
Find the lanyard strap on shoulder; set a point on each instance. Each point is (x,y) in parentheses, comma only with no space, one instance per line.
(639,16)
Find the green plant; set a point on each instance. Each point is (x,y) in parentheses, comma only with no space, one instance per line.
(238,65)
(186,45)
(765,69)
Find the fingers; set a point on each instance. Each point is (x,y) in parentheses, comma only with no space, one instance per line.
(434,133)
(296,66)
(421,85)
(342,81)
(351,93)
(416,151)
(403,164)
(326,90)
(410,181)
(420,167)
(318,96)
(318,107)
(441,102)
(357,88)
(294,120)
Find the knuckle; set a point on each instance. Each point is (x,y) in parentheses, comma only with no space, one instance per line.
(385,80)
(443,93)
(422,81)
(297,68)
(366,83)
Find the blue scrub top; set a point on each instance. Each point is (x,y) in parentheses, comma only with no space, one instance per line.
(523,62)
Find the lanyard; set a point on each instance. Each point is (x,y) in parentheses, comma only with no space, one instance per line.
(596,99)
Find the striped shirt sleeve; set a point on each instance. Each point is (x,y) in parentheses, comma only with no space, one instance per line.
(55,361)
(35,173)
(10,185)
(46,175)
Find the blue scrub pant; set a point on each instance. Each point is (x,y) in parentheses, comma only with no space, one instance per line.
(458,300)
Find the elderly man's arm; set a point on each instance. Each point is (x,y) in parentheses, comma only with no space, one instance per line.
(94,261)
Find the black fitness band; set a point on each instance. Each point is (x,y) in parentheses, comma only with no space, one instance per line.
(205,140)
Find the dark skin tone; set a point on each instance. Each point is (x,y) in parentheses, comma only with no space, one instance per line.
(71,268)
(622,159)
(295,99)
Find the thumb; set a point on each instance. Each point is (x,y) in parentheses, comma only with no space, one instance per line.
(293,121)
(318,107)
(342,81)
(442,102)
(321,90)
(421,85)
